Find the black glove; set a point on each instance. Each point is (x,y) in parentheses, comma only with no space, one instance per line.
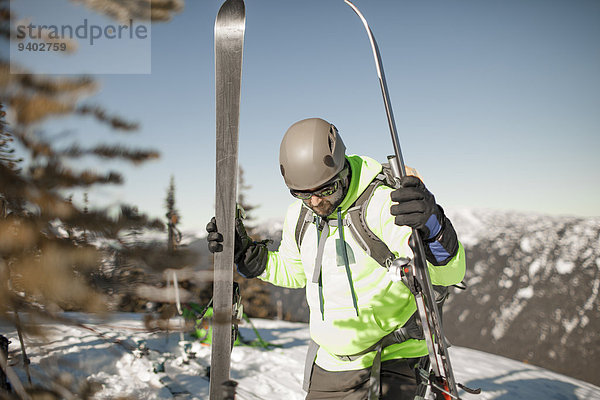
(215,239)
(416,208)
(250,257)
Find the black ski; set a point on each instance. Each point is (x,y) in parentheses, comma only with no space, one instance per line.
(229,44)
(442,380)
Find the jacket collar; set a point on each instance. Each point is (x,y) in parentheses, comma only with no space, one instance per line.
(364,170)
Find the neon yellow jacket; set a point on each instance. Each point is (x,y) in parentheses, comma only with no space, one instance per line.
(383,305)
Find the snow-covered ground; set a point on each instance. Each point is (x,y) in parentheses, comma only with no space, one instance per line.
(126,359)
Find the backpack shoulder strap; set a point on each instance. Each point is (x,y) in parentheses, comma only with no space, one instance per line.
(368,240)
(305,218)
(311,355)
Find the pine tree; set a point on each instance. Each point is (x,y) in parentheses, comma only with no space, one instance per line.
(174,235)
(242,188)
(255,293)
(54,253)
(51,249)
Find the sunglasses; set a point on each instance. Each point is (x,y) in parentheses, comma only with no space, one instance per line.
(323,191)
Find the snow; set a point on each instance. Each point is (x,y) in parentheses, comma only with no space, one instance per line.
(534,267)
(468,224)
(508,313)
(589,304)
(124,360)
(525,293)
(564,266)
(526,245)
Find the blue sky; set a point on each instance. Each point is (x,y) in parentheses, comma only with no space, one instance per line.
(497,103)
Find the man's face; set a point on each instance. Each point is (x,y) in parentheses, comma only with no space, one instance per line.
(324,206)
(325,199)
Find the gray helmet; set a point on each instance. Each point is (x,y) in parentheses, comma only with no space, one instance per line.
(311,153)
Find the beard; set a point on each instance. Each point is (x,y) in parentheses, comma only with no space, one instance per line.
(328,204)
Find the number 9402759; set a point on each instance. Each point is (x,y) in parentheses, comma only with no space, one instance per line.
(33,46)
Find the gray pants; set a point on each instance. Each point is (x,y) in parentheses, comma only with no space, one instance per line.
(398,382)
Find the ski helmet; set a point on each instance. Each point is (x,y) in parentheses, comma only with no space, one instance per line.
(311,154)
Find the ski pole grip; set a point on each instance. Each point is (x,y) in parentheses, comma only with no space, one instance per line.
(396,170)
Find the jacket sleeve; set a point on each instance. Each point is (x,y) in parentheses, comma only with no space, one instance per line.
(284,266)
(452,272)
(381,221)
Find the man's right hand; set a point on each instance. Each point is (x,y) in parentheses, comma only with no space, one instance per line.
(215,239)
(250,256)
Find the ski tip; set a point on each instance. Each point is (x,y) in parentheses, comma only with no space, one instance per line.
(351,4)
(362,18)
(231,13)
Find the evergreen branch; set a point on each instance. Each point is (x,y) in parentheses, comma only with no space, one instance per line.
(100,114)
(56,86)
(135,156)
(5,19)
(54,175)
(37,147)
(146,10)
(34,108)
(103,151)
(131,218)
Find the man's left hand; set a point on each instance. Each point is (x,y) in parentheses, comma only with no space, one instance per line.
(416,207)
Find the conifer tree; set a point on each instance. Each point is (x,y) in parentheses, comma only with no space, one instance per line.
(55,253)
(242,201)
(174,235)
(255,293)
(52,249)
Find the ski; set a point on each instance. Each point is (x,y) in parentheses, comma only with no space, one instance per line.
(229,43)
(442,380)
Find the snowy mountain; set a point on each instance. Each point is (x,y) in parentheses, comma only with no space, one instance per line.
(124,360)
(532,293)
(533,283)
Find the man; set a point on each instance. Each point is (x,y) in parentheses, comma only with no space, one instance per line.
(354,302)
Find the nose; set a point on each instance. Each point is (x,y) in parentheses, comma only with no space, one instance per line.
(315,200)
